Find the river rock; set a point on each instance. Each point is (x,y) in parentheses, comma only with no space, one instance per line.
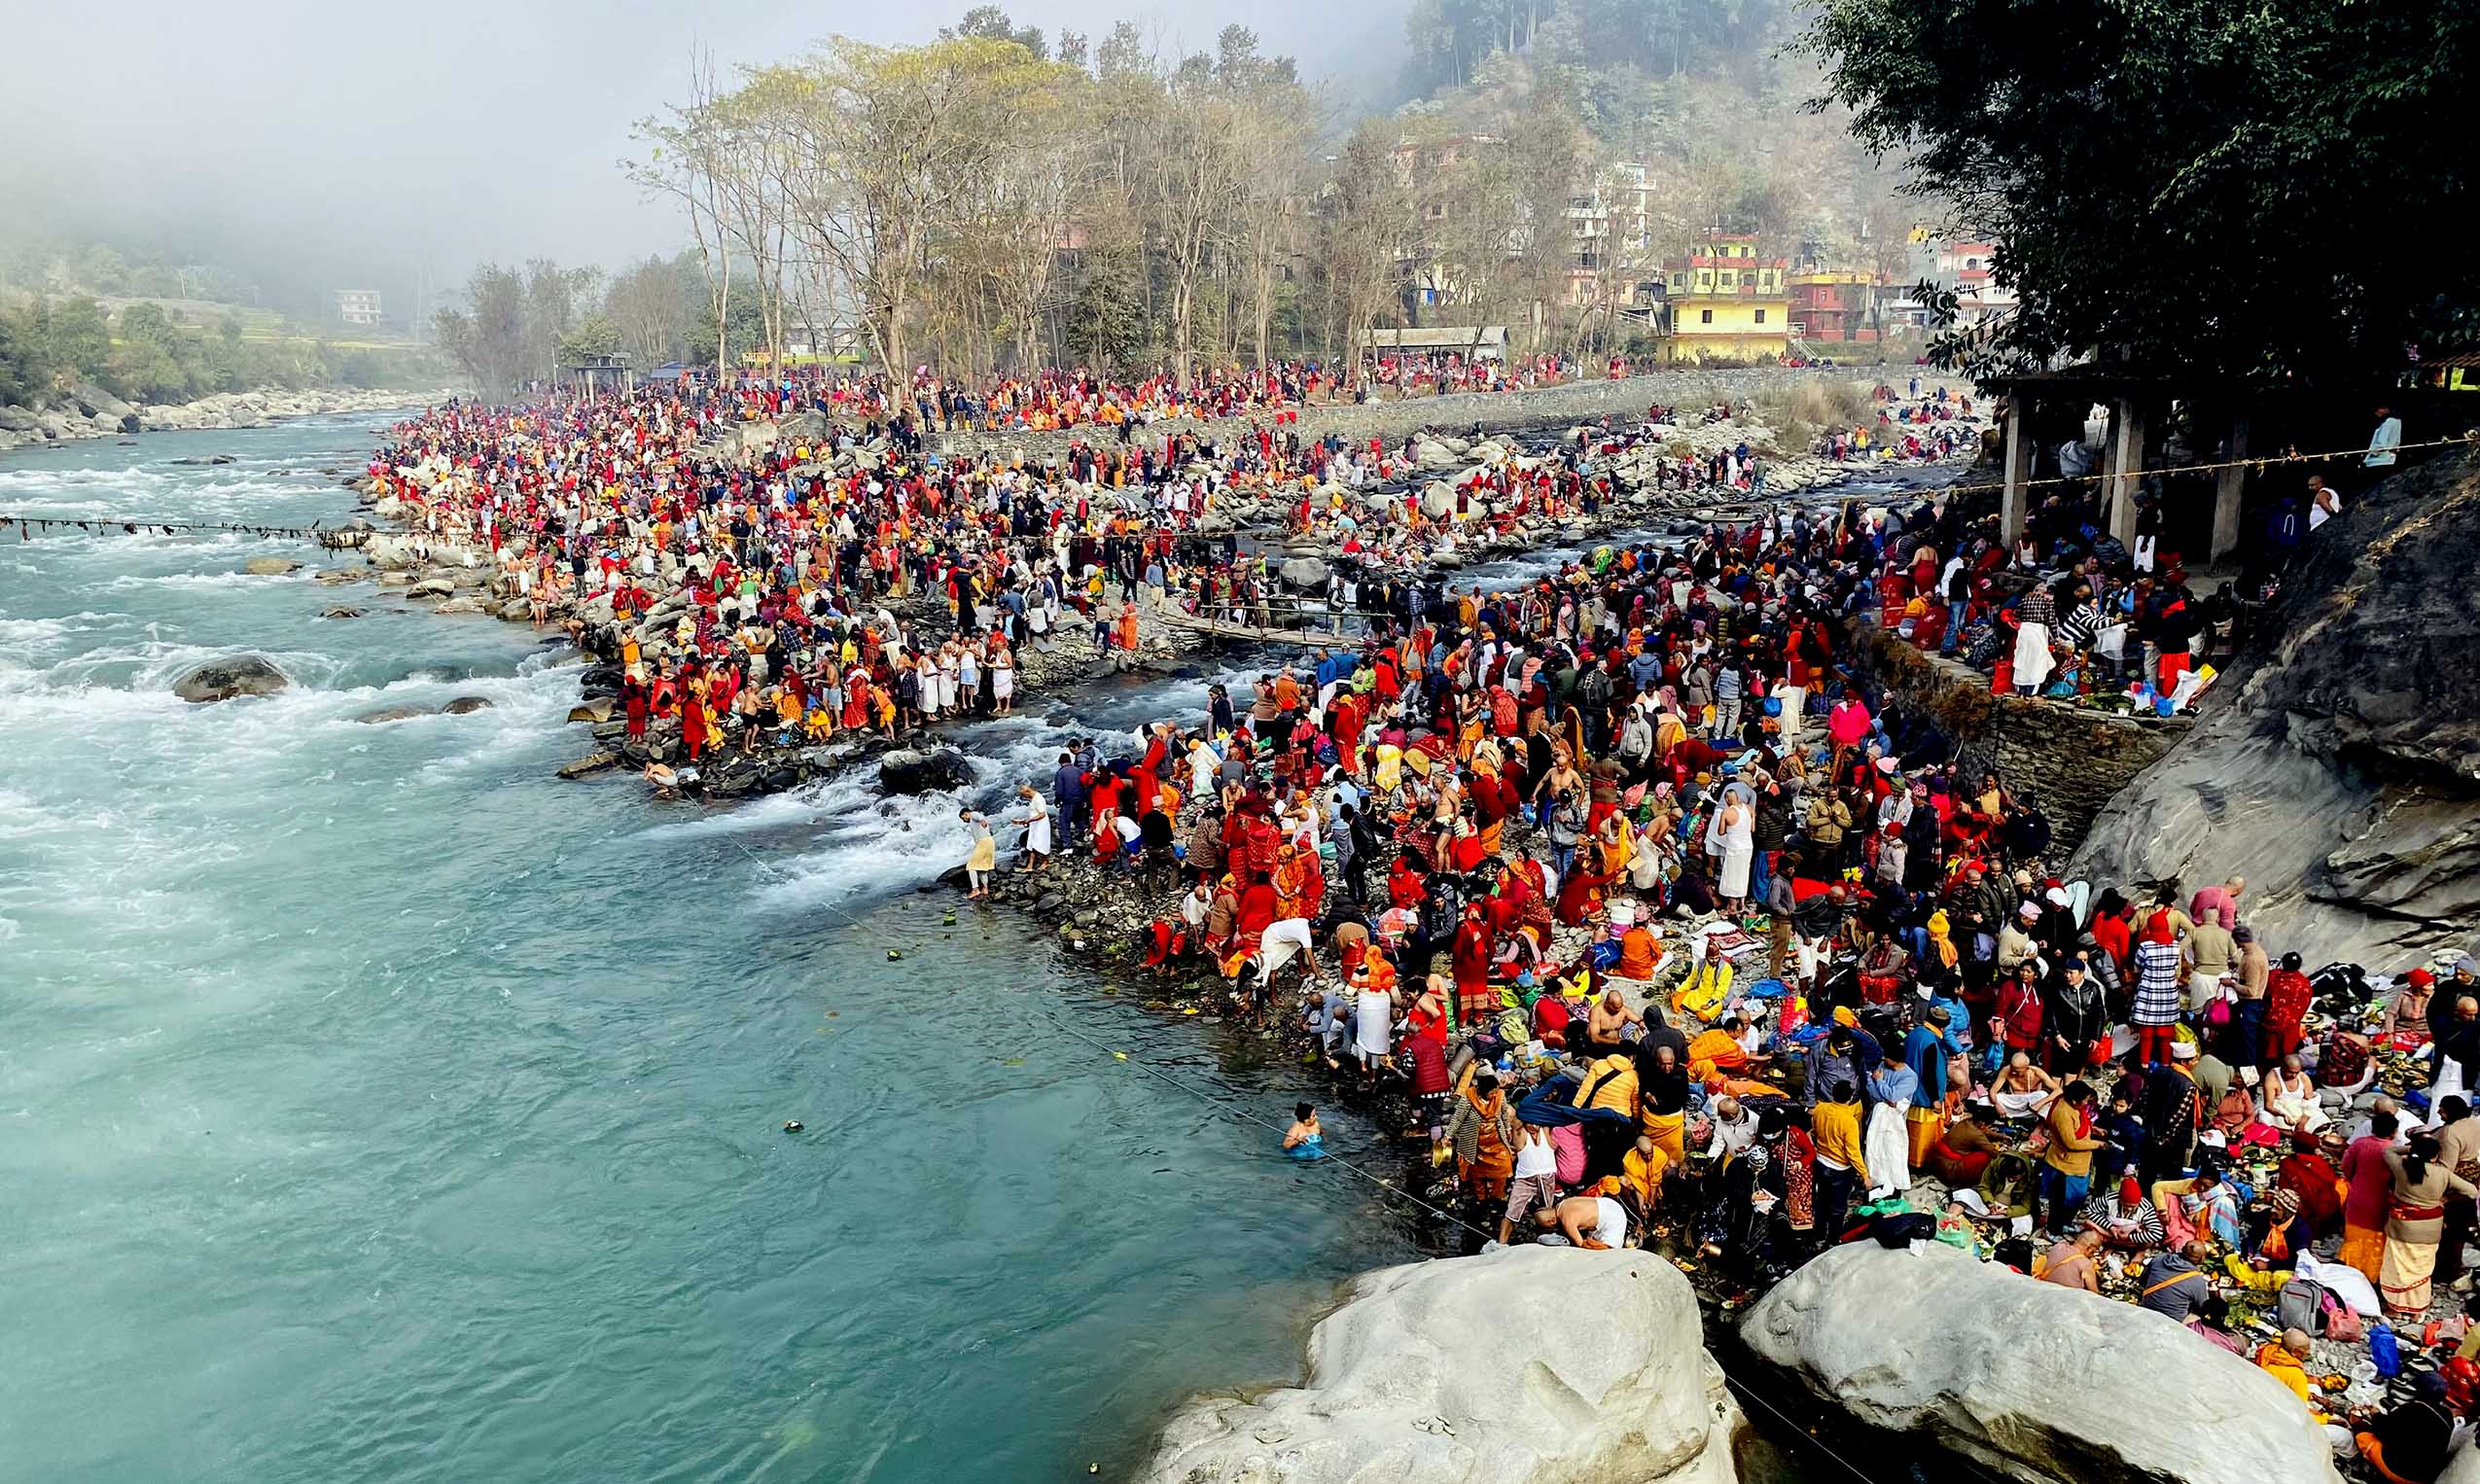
(600,679)
(2336,764)
(515,611)
(341,611)
(734,782)
(390,714)
(270,566)
(1306,571)
(913,770)
(389,553)
(1535,1363)
(592,710)
(220,680)
(591,762)
(1438,502)
(101,406)
(2041,1383)
(466,705)
(431,587)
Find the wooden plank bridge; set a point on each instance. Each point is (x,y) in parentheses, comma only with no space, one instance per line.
(1225,628)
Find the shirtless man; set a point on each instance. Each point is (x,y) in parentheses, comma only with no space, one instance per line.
(1560,781)
(2073,1263)
(1610,1019)
(2023,1090)
(1595,1222)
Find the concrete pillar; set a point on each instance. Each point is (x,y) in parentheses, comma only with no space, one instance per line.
(2126,468)
(2019,466)
(2228,486)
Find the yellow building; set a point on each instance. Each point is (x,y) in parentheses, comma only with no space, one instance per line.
(1725,303)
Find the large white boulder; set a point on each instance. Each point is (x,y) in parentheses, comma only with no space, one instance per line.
(1543,1365)
(2036,1382)
(389,553)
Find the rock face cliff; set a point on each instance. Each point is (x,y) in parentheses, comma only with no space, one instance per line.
(2036,1383)
(1544,1365)
(2340,773)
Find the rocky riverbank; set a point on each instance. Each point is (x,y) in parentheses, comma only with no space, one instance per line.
(90,412)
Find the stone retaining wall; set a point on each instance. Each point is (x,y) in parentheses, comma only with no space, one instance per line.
(1550,405)
(2071,758)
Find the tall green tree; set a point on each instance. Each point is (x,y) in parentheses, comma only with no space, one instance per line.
(490,337)
(2224,188)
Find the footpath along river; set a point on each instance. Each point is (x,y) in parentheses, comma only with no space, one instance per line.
(373,1105)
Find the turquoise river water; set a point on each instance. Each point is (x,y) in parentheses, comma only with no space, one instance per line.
(373,1105)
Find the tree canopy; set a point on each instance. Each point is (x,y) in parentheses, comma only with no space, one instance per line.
(2221,188)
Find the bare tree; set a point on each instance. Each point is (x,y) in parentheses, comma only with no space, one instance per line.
(683,162)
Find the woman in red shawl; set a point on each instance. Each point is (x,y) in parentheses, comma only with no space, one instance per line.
(1471,957)
(1404,887)
(1299,885)
(692,720)
(2287,996)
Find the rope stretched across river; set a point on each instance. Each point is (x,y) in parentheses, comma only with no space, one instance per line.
(128,525)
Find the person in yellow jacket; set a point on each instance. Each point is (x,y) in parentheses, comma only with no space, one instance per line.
(2067,1165)
(1834,1128)
(1609,1082)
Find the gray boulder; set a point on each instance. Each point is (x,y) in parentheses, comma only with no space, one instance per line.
(912,770)
(1545,1365)
(2337,766)
(220,680)
(390,714)
(97,403)
(2039,1382)
(591,762)
(270,566)
(466,705)
(1307,572)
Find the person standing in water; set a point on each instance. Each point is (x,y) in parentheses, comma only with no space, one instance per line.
(1304,1140)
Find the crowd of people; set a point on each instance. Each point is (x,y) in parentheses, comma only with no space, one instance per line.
(1936,426)
(854,579)
(1051,399)
(1667,934)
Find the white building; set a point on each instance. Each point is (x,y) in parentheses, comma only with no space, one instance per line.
(359,307)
